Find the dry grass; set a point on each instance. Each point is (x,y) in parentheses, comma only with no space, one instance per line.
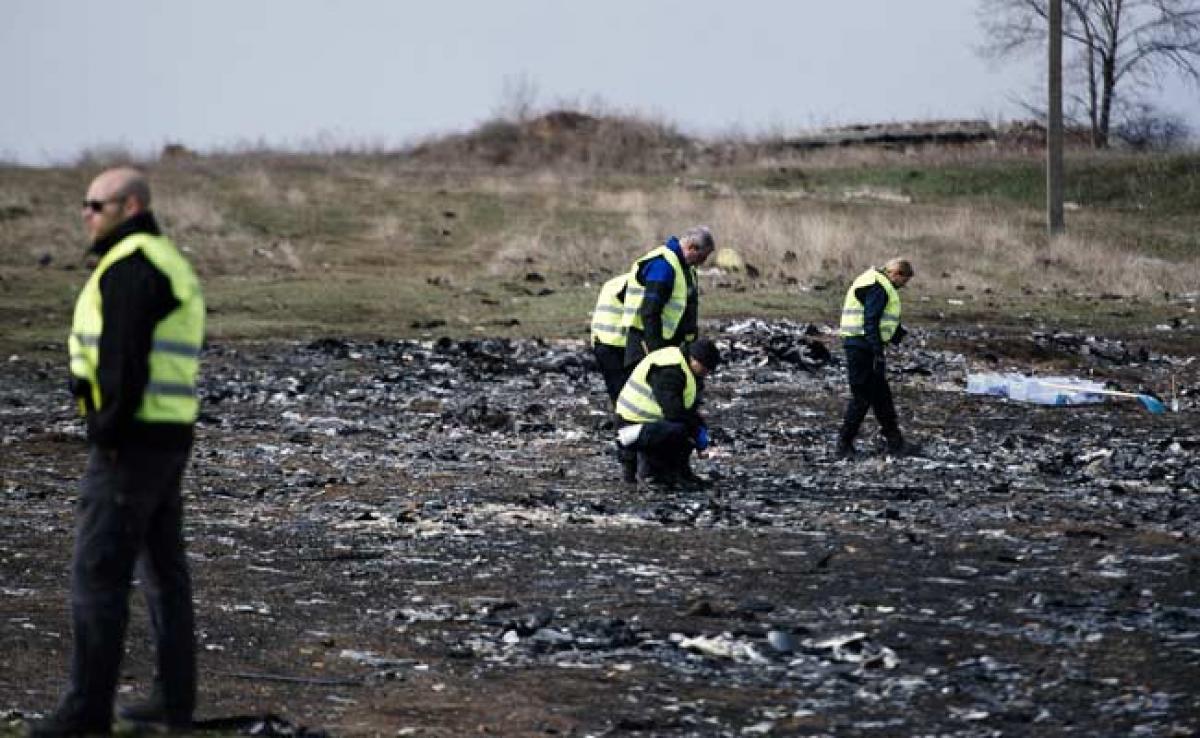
(869,157)
(460,239)
(190,213)
(818,242)
(1108,267)
(563,224)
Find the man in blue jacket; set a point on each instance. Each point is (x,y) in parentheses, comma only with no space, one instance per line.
(662,297)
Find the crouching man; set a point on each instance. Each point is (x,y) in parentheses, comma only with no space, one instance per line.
(658,413)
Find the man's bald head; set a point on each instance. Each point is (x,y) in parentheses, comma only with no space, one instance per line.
(114,196)
(122,182)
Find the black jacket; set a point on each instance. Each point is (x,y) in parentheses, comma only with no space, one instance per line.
(874,299)
(134,296)
(668,384)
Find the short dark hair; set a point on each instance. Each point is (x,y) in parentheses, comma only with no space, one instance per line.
(903,267)
(706,352)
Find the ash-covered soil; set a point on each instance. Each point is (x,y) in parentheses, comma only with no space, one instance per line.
(429,538)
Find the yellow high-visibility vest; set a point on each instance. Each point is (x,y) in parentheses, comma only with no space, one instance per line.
(852,307)
(170,394)
(673,311)
(636,403)
(606,317)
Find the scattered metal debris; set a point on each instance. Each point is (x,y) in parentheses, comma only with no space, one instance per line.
(429,519)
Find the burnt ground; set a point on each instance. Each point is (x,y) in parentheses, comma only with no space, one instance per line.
(406,538)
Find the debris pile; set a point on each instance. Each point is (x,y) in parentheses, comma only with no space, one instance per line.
(393,536)
(1097,350)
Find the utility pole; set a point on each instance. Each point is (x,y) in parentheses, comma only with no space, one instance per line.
(1054,125)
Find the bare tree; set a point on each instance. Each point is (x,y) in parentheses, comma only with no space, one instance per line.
(518,98)
(1119,46)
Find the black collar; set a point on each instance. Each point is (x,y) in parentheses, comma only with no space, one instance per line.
(143,222)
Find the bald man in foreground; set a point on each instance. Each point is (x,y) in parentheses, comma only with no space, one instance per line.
(135,347)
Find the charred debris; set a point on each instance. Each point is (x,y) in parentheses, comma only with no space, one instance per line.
(392,522)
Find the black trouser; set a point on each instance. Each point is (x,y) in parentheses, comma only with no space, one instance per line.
(663,448)
(868,390)
(611,360)
(635,345)
(130,511)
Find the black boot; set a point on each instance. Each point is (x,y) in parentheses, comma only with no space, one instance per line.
(628,459)
(60,726)
(629,470)
(845,445)
(153,710)
(652,476)
(897,446)
(690,479)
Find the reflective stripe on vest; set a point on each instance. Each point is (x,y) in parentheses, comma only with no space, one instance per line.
(174,360)
(673,311)
(853,323)
(606,317)
(636,402)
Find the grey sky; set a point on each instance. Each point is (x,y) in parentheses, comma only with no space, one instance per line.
(223,73)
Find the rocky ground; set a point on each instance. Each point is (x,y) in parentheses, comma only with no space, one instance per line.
(427,538)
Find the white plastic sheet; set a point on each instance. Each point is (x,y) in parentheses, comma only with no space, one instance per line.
(1056,390)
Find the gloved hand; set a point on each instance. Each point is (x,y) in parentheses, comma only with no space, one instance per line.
(81,390)
(702,438)
(879,364)
(898,336)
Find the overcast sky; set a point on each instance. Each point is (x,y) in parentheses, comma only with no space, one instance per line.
(293,73)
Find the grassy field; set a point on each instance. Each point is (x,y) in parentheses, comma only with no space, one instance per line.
(378,245)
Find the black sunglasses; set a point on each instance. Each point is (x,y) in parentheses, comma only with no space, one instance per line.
(97,206)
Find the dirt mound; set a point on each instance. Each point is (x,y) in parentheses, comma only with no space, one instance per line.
(569,138)
(564,137)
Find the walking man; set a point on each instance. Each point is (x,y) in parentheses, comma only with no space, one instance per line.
(871,319)
(662,297)
(134,347)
